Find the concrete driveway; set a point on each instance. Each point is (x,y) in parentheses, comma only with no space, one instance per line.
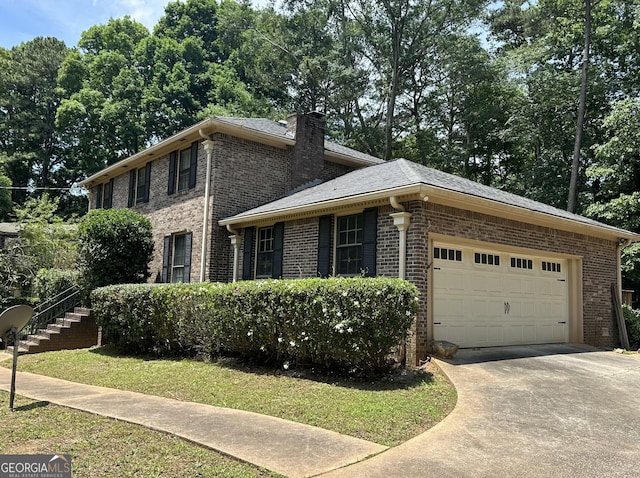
(534,411)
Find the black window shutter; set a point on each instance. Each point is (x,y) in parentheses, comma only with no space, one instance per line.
(188,240)
(324,245)
(132,188)
(278,244)
(247,255)
(172,172)
(147,177)
(108,200)
(166,257)
(369,242)
(99,196)
(194,165)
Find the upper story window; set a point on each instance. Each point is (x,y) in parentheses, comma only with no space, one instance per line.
(104,195)
(183,166)
(350,234)
(184,169)
(139,185)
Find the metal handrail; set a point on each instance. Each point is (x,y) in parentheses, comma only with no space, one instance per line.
(65,301)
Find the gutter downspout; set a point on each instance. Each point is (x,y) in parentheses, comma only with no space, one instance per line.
(622,243)
(235,242)
(402,221)
(208,148)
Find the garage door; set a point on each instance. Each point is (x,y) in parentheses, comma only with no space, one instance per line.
(484,297)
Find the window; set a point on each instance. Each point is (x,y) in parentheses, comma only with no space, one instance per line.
(488,259)
(262,256)
(349,245)
(447,254)
(264,259)
(551,266)
(139,185)
(104,195)
(179,253)
(521,263)
(176,260)
(182,169)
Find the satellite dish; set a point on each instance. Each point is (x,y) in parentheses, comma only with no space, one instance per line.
(15,317)
(13,321)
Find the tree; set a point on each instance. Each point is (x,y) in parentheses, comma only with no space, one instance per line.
(615,176)
(582,107)
(115,246)
(47,241)
(6,205)
(31,143)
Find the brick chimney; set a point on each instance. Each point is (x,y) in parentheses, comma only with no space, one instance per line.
(308,152)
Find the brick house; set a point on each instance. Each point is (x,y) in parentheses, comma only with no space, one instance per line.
(236,164)
(233,198)
(492,268)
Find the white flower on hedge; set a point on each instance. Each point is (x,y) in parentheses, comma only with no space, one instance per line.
(325,310)
(339,314)
(408,313)
(345,293)
(263,349)
(280,340)
(350,330)
(250,333)
(356,303)
(285,365)
(339,327)
(292,343)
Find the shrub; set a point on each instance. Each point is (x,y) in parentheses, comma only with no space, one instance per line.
(632,319)
(51,282)
(350,323)
(115,246)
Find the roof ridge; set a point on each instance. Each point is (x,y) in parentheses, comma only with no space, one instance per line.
(406,166)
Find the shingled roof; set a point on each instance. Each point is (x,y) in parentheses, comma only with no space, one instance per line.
(399,177)
(274,128)
(261,130)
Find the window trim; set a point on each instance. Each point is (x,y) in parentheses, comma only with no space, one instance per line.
(175,160)
(337,247)
(168,257)
(267,253)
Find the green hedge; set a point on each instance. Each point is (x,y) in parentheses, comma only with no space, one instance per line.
(632,319)
(352,323)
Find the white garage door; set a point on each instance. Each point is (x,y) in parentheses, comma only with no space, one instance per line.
(484,297)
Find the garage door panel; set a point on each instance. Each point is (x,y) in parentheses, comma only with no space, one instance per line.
(491,304)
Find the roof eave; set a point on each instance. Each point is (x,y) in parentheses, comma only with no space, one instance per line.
(208,127)
(440,196)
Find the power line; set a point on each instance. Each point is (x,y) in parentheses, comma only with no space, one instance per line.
(26,188)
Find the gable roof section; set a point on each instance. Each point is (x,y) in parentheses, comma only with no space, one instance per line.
(408,180)
(260,130)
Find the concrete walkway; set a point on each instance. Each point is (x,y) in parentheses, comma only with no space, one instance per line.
(288,448)
(535,411)
(538,411)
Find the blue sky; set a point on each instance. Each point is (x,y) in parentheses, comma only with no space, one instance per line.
(23,20)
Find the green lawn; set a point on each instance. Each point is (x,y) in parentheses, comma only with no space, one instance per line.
(101,447)
(388,411)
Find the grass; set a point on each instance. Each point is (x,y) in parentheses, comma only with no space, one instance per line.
(103,447)
(388,411)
